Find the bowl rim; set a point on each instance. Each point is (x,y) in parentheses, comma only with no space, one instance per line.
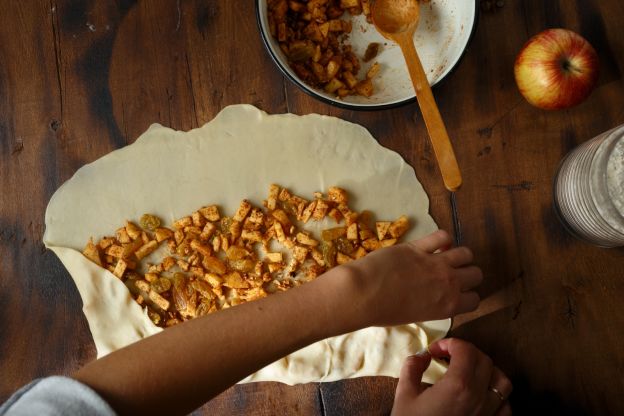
(312,93)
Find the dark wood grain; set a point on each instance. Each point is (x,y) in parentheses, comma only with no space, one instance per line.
(81,78)
(42,330)
(558,334)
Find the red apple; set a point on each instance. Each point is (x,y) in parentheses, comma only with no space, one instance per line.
(556,69)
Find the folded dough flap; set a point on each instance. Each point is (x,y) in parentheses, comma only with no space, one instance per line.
(371,351)
(115,319)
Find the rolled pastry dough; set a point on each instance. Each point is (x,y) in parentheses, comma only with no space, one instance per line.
(238,155)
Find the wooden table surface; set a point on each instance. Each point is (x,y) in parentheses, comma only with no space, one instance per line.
(79,79)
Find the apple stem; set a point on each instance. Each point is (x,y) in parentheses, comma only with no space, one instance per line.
(568,67)
(565,64)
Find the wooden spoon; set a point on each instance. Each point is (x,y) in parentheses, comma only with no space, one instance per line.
(397,20)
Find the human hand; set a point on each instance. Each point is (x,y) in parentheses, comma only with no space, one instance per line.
(472,385)
(411,282)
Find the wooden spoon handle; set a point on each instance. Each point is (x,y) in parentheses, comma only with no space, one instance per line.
(433,120)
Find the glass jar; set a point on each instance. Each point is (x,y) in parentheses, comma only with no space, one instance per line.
(589,190)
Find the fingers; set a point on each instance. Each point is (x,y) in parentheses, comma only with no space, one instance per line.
(460,259)
(458,256)
(471,373)
(482,393)
(469,277)
(410,379)
(483,372)
(468,302)
(462,354)
(499,389)
(501,382)
(438,240)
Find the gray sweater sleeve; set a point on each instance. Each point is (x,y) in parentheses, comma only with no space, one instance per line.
(53,396)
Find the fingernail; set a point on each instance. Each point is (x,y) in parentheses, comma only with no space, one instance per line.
(422,353)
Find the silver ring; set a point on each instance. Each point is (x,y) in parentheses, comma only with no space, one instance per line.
(497,392)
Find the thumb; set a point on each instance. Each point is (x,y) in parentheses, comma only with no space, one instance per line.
(410,379)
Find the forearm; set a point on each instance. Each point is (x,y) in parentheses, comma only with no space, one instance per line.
(185,366)
(181,368)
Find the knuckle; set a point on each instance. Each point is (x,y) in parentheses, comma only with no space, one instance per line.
(445,275)
(458,387)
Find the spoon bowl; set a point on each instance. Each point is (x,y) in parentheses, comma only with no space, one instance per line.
(395,16)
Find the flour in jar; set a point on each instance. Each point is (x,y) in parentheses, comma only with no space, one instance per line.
(615,176)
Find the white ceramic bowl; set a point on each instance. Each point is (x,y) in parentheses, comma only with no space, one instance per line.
(443,34)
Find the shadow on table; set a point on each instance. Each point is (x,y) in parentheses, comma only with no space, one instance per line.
(525,401)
